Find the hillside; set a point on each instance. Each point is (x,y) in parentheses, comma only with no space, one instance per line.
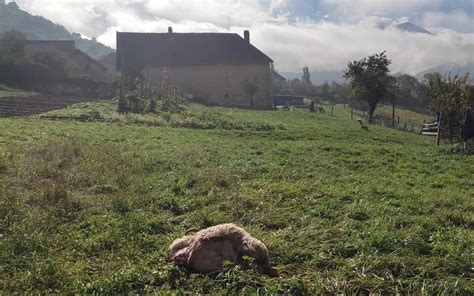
(447,69)
(91,207)
(39,28)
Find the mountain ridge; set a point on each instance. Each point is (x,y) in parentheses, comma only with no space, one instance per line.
(412,28)
(40,28)
(448,69)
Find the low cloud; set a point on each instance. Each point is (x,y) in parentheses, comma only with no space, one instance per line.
(322,45)
(457,19)
(354,10)
(328,46)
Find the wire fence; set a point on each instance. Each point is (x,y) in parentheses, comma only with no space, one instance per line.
(387,116)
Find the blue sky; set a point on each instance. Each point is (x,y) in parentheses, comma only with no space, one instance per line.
(320,34)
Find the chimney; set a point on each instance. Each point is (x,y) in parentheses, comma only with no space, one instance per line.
(247,35)
(170,30)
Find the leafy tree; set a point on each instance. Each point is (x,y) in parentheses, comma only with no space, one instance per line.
(452,96)
(324,89)
(409,91)
(370,80)
(340,92)
(54,58)
(300,88)
(12,46)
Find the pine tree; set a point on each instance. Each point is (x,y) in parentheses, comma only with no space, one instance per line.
(152,105)
(135,103)
(306,76)
(122,105)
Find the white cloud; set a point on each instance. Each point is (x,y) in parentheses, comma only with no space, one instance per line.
(221,13)
(278,5)
(353,9)
(458,19)
(329,46)
(320,45)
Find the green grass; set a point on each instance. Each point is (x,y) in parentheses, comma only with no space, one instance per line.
(91,207)
(15,93)
(407,116)
(194,116)
(6,91)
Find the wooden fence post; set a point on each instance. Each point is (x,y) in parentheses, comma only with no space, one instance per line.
(438,137)
(398,122)
(393,116)
(332,110)
(352,113)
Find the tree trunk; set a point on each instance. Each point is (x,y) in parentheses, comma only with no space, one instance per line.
(371,113)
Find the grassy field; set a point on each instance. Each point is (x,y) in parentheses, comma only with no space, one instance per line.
(406,116)
(91,205)
(11,92)
(5,93)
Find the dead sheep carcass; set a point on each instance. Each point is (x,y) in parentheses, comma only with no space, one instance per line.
(206,250)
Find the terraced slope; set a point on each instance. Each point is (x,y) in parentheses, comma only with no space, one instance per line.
(29,105)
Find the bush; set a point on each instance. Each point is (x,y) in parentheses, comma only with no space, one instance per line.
(451,96)
(27,75)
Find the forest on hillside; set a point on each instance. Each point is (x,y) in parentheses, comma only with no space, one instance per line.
(39,28)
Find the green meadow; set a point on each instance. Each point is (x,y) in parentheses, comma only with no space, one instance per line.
(90,201)
(11,92)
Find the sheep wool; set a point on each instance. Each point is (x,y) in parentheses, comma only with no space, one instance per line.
(206,250)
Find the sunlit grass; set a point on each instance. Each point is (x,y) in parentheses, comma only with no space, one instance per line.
(91,207)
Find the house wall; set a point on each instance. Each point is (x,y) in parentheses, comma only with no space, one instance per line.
(220,84)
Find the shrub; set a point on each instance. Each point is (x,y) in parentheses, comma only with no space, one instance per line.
(451,96)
